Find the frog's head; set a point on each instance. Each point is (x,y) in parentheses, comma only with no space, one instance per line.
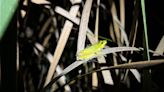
(102,43)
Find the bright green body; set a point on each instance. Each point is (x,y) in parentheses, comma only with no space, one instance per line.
(91,51)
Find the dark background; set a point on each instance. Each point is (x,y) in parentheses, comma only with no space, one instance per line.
(155,24)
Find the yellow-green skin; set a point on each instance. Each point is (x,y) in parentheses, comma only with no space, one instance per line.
(91,51)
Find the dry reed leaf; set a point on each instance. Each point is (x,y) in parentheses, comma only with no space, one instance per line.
(139,64)
(134,25)
(90,36)
(23,13)
(40,1)
(160,48)
(111,31)
(62,80)
(75,1)
(97,21)
(152,51)
(94,80)
(44,28)
(84,25)
(136,74)
(115,26)
(61,44)
(47,38)
(133,65)
(39,47)
(122,12)
(25,2)
(117,49)
(115,63)
(71,67)
(67,15)
(122,16)
(123,33)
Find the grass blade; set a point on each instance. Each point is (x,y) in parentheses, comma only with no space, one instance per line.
(145,28)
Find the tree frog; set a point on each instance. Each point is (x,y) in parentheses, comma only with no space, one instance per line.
(91,50)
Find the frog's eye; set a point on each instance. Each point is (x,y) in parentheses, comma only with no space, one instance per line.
(101,42)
